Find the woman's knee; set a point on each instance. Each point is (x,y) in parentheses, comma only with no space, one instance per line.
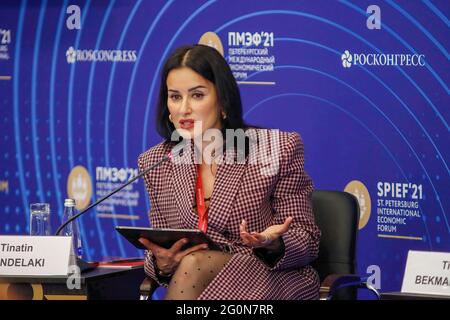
(193,261)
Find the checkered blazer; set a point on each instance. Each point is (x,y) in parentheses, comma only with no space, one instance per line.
(243,191)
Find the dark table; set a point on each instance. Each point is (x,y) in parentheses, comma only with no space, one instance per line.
(411,296)
(99,284)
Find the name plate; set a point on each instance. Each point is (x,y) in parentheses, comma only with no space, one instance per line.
(427,273)
(34,255)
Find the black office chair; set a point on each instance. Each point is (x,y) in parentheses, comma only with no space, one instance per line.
(337,216)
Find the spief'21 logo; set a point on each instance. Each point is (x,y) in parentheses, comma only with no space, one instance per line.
(79,187)
(359,190)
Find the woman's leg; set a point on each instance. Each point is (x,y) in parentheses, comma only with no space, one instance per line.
(194,273)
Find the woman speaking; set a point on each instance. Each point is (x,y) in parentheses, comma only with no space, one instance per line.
(252,198)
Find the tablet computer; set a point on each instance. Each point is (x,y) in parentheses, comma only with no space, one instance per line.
(165,237)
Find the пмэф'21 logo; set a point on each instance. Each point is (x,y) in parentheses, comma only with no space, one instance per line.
(79,187)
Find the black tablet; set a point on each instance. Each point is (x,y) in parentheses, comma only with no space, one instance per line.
(165,237)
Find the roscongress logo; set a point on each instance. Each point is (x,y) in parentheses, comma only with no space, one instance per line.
(346,59)
(88,55)
(71,55)
(382,59)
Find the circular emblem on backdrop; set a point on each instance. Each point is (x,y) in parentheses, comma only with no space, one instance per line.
(346,58)
(70,55)
(79,186)
(359,190)
(212,39)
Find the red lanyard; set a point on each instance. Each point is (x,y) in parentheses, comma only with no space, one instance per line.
(201,208)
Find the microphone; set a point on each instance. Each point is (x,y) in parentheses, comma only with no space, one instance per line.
(175,150)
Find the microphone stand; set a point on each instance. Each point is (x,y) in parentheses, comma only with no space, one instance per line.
(83,265)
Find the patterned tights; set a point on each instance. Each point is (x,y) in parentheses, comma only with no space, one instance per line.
(194,273)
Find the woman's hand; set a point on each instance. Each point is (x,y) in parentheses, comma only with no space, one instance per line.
(167,260)
(265,238)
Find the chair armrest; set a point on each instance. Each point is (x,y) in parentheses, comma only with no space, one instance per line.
(147,288)
(334,282)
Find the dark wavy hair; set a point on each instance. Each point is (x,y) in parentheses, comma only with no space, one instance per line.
(210,64)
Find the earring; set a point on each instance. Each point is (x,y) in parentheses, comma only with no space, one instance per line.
(170,117)
(224,116)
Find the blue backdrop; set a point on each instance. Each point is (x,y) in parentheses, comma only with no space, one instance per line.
(365,86)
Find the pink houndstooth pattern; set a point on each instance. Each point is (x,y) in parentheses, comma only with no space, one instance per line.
(243,191)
